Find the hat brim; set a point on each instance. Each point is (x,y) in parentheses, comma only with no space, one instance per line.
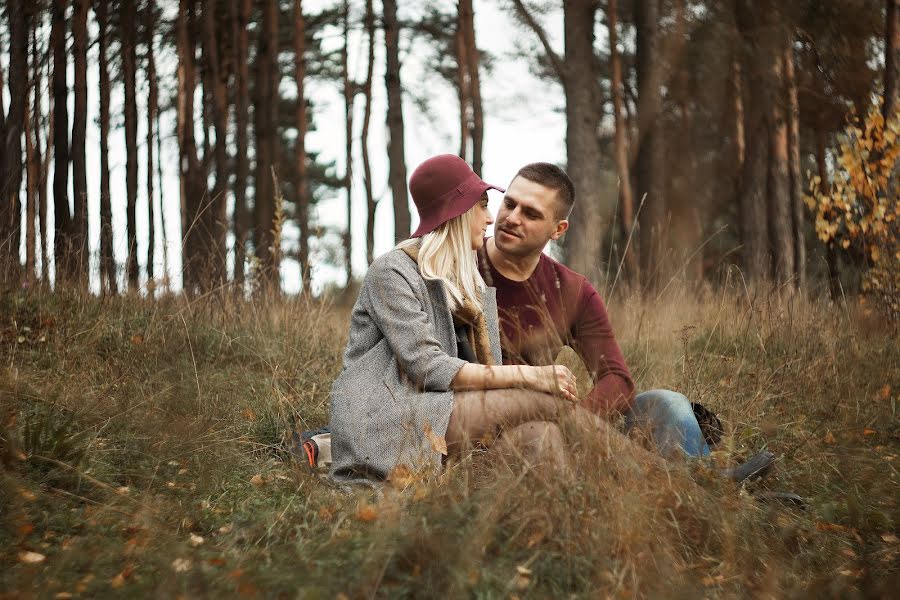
(452,210)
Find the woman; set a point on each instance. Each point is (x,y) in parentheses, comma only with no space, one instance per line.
(422,363)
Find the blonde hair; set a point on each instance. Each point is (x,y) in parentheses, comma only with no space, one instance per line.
(446,255)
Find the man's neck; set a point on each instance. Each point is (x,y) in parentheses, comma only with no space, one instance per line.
(516,268)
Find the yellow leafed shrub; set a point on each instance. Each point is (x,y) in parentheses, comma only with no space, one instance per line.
(861,207)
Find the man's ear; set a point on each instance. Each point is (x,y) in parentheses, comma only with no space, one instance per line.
(561,228)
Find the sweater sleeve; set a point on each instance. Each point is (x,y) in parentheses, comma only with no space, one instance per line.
(400,316)
(594,341)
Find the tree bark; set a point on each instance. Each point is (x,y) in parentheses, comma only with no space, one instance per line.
(626,198)
(62,217)
(462,84)
(216,215)
(11,163)
(302,185)
(152,101)
(193,186)
(396,151)
(32,172)
(128,18)
(891,59)
(107,261)
(265,105)
(650,170)
(364,137)
(79,132)
(44,162)
(349,94)
(796,178)
(780,209)
(161,207)
(473,62)
(241,20)
(831,259)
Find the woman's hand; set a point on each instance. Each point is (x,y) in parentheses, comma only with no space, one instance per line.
(553,379)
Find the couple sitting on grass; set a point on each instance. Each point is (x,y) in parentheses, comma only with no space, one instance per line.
(453,337)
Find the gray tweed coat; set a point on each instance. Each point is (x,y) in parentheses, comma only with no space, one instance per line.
(400,359)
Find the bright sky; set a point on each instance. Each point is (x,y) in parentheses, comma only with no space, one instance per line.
(524,122)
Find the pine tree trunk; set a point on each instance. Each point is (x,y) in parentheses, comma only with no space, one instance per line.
(44,161)
(834,281)
(128,18)
(396,151)
(364,138)
(891,60)
(349,94)
(265,88)
(32,171)
(62,250)
(152,95)
(193,186)
(217,216)
(761,177)
(79,132)
(107,261)
(473,62)
(650,170)
(626,198)
(780,208)
(796,179)
(240,14)
(301,185)
(164,238)
(11,162)
(40,188)
(462,84)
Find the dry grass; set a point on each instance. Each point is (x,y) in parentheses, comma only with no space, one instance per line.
(144,423)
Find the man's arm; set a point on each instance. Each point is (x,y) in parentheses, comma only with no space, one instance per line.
(594,341)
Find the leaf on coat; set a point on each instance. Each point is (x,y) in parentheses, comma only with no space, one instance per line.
(438,443)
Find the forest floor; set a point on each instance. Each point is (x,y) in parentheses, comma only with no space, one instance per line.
(152,462)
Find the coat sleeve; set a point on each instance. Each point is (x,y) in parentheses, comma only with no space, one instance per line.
(400,315)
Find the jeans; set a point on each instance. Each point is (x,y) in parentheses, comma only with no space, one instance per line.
(669,420)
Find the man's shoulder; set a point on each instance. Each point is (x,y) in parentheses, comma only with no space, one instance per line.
(569,279)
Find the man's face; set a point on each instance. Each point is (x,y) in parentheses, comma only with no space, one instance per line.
(528,218)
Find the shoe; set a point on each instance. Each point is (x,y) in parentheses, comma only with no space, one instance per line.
(312,447)
(755,468)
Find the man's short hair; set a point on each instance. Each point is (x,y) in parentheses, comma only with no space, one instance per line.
(551,176)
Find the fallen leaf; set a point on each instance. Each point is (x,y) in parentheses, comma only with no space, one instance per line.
(367,513)
(885,393)
(137,339)
(225,529)
(890,538)
(63,595)
(848,552)
(117,581)
(438,443)
(401,477)
(247,589)
(535,538)
(325,513)
(821,526)
(829,438)
(257,480)
(216,562)
(196,540)
(25,529)
(123,490)
(522,579)
(249,414)
(181,565)
(868,431)
(31,558)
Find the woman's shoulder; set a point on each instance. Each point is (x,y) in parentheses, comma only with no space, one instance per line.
(390,264)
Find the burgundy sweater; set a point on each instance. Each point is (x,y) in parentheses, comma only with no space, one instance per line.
(557,307)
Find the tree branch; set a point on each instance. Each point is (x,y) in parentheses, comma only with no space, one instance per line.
(528,19)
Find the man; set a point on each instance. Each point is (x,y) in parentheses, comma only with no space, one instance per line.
(544,306)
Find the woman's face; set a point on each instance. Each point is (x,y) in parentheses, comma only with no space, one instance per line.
(481,218)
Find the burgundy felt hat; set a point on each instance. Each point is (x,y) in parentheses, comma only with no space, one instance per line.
(444,187)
